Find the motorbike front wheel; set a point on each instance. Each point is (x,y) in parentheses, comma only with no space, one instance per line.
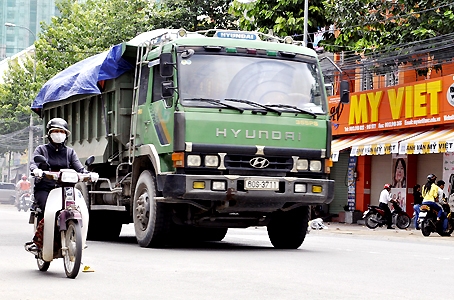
(403,221)
(372,220)
(43,266)
(426,228)
(72,255)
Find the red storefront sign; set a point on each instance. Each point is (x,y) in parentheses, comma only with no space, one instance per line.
(423,103)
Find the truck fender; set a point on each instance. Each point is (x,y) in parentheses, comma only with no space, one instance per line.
(150,151)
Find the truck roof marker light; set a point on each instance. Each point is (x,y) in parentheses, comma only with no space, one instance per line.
(271,53)
(178,159)
(288,40)
(182,33)
(287,54)
(231,50)
(251,51)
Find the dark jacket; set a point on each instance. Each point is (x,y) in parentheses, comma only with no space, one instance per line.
(59,157)
(417,197)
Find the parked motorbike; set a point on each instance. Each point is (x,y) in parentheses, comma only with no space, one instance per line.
(375,216)
(25,201)
(65,220)
(428,221)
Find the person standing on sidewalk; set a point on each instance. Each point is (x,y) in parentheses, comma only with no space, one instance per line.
(383,201)
(417,200)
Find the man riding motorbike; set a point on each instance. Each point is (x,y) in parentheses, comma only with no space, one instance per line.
(58,156)
(22,187)
(430,192)
(384,199)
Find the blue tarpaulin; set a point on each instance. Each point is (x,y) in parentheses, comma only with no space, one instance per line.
(83,76)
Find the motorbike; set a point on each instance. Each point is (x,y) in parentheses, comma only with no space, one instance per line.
(375,216)
(65,222)
(25,201)
(428,221)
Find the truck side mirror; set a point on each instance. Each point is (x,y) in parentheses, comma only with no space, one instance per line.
(166,65)
(167,89)
(344,92)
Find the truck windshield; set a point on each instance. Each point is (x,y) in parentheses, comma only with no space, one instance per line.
(266,81)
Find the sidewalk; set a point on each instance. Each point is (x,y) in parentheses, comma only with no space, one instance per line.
(359,229)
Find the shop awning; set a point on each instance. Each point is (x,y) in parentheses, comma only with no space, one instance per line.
(431,141)
(371,144)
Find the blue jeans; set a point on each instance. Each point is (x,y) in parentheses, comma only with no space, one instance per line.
(416,208)
(441,214)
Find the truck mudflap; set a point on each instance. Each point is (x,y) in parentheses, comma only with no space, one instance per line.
(247,191)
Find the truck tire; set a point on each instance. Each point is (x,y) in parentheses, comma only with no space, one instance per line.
(287,230)
(152,219)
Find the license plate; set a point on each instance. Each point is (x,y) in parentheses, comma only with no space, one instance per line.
(422,214)
(262,185)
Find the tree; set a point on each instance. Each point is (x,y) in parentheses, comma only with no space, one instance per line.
(283,17)
(83,30)
(192,15)
(368,24)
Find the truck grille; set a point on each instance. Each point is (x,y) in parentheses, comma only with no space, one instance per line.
(241,162)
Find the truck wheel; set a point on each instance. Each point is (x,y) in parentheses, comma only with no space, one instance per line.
(287,230)
(151,218)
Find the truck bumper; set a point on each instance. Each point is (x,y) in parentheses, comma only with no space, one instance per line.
(291,190)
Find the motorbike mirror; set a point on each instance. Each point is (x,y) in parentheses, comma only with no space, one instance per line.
(39,159)
(41,162)
(89,160)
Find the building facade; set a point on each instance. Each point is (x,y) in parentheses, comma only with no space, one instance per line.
(397,131)
(25,13)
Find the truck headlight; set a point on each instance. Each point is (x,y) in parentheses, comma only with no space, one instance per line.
(211,161)
(315,165)
(194,160)
(300,188)
(302,164)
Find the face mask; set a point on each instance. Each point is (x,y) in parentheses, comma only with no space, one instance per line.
(58,137)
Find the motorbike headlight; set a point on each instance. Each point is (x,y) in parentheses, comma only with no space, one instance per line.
(70,177)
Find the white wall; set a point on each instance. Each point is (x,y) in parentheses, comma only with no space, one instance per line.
(381,173)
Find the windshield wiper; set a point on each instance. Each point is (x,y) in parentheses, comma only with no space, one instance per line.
(304,111)
(215,101)
(252,103)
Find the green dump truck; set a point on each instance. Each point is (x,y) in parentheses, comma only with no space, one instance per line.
(198,133)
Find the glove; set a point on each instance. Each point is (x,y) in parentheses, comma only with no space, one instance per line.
(38,172)
(94,176)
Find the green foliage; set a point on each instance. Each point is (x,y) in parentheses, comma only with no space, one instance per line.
(368,24)
(283,17)
(192,15)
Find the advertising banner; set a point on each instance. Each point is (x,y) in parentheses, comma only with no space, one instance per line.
(412,105)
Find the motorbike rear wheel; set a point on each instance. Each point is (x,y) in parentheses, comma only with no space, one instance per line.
(426,228)
(72,257)
(372,220)
(403,221)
